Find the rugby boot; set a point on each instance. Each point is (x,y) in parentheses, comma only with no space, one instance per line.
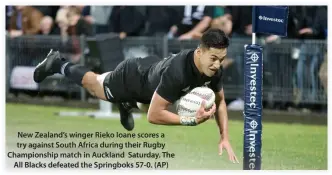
(46,67)
(126,116)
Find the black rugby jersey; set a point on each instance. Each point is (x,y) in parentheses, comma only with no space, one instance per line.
(173,77)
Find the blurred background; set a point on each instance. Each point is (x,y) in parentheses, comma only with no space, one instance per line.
(295,67)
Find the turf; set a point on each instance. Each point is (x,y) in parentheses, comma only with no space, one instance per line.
(285,146)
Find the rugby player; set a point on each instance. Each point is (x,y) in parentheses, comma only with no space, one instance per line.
(155,81)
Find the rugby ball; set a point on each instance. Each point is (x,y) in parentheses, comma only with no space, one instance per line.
(189,104)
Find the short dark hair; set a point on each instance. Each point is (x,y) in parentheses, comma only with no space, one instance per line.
(214,38)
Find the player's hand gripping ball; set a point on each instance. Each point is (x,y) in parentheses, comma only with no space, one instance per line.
(189,104)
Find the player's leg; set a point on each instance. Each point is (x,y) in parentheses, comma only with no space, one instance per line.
(81,75)
(114,87)
(97,85)
(93,83)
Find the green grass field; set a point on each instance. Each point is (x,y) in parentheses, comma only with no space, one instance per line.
(285,146)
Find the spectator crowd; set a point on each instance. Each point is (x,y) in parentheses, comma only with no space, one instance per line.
(182,22)
(178,22)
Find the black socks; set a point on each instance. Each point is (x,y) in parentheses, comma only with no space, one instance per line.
(72,71)
(75,72)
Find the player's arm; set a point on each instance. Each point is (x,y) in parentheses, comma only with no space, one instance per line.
(157,113)
(222,117)
(222,121)
(167,92)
